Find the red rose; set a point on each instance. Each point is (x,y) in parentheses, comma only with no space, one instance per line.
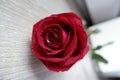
(59,41)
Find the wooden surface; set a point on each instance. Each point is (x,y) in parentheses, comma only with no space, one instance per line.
(17,61)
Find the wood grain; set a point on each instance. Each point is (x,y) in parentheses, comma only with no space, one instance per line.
(17,61)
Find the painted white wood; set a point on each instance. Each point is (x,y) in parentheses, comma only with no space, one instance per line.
(110,31)
(17,61)
(103,10)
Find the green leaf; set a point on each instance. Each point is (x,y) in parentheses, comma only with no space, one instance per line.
(99,58)
(101,46)
(97,48)
(109,43)
(95,31)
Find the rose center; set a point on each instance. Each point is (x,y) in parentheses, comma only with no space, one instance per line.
(53,38)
